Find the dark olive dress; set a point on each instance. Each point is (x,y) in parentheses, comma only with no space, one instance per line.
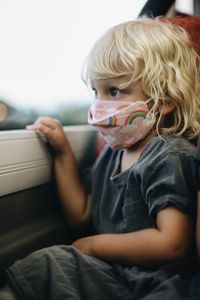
(122,202)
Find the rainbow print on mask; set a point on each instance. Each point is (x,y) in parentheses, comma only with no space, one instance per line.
(121,146)
(122,124)
(133,116)
(112,121)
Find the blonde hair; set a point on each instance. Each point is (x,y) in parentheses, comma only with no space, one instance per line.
(160,57)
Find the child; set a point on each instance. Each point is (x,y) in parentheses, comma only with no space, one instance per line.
(145,79)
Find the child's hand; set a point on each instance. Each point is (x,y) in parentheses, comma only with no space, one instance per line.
(52,129)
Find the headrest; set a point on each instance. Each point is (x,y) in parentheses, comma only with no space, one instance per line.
(192,25)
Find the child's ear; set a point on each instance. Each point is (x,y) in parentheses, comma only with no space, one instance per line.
(167,107)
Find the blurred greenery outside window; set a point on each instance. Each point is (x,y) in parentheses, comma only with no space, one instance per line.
(44,44)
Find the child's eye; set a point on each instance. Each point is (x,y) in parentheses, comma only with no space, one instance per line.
(94,91)
(115,92)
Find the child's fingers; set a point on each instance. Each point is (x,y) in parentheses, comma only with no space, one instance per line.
(46,131)
(49,129)
(50,122)
(31,127)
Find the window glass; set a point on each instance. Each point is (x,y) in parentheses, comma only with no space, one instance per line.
(43,47)
(185,6)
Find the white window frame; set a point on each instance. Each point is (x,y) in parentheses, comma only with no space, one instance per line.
(26,161)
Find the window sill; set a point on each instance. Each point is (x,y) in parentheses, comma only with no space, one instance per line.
(26,161)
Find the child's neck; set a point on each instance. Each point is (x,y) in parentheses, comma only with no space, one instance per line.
(131,155)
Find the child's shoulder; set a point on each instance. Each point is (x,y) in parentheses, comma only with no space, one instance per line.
(168,148)
(171,144)
(167,156)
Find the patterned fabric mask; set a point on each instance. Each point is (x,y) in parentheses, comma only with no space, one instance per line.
(122,124)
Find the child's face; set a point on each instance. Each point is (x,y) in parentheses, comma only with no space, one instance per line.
(110,89)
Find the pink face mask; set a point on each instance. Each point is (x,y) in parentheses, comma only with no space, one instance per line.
(122,124)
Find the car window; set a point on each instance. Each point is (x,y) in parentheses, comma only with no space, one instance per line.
(43,47)
(185,6)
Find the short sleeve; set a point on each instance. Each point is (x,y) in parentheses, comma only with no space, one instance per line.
(168,182)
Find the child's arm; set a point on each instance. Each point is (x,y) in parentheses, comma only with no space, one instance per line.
(75,200)
(170,241)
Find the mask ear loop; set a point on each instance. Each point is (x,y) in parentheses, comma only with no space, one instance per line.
(152,109)
(153,112)
(159,119)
